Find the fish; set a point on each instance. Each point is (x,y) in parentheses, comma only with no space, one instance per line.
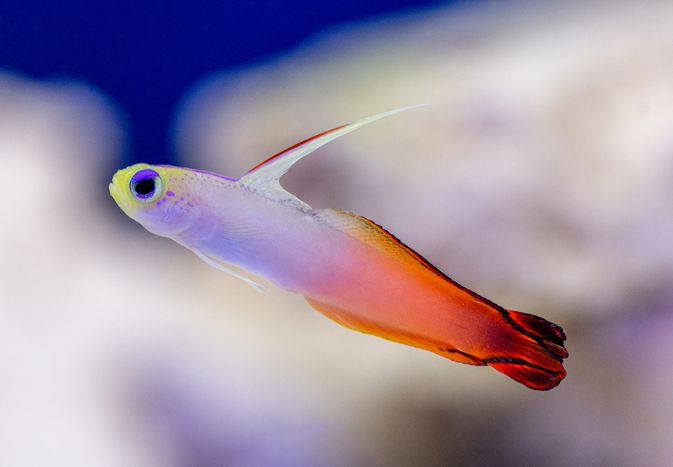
(346,266)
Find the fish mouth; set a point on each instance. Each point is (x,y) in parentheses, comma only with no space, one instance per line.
(114,192)
(117,193)
(119,188)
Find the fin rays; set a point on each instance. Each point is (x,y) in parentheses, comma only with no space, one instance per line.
(264,177)
(217,264)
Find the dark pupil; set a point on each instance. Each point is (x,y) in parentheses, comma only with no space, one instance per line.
(144,187)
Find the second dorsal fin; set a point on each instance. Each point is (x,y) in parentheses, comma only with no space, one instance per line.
(369,232)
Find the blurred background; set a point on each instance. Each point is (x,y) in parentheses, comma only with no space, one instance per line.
(540,176)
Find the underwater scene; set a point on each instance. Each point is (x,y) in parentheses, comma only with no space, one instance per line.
(533,176)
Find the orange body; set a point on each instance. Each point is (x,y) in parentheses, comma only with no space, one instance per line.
(377,285)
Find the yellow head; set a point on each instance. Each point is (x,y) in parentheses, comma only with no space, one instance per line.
(157,197)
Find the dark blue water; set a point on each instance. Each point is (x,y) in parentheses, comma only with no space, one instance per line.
(146,53)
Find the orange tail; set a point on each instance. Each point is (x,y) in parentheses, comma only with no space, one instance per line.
(535,356)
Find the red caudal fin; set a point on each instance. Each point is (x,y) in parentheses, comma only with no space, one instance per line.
(535,355)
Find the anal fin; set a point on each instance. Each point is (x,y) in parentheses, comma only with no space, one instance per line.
(350,321)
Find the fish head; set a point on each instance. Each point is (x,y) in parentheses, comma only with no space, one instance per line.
(157,197)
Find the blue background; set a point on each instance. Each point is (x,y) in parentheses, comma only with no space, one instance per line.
(146,54)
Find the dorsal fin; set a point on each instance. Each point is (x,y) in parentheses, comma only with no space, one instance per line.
(371,233)
(265,177)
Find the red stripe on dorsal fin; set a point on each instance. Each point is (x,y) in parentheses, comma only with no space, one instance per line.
(264,177)
(293,147)
(276,165)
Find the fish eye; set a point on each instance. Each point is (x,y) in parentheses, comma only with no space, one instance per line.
(146,185)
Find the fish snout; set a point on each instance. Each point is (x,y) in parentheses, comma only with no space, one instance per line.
(116,188)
